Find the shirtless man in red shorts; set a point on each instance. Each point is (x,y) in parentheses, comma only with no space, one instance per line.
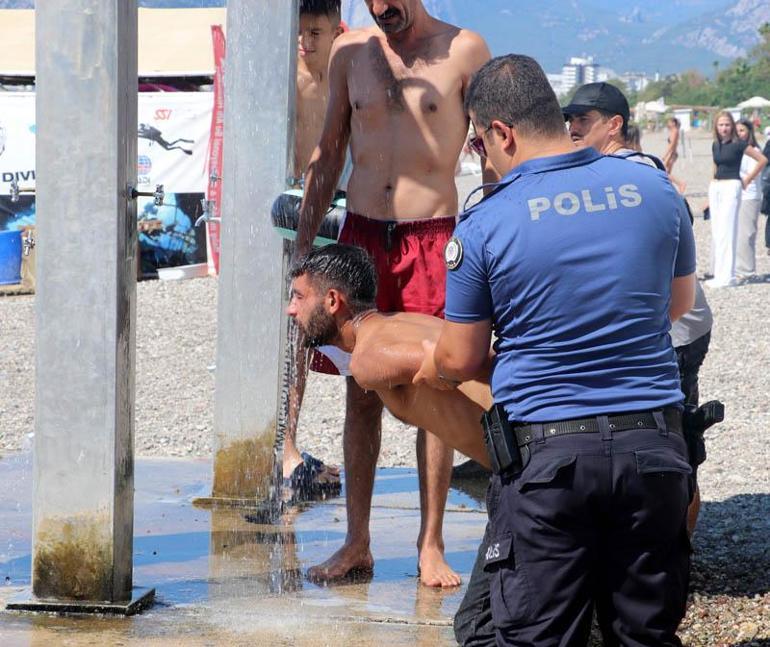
(396,95)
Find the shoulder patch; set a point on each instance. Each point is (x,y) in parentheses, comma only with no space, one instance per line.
(453,253)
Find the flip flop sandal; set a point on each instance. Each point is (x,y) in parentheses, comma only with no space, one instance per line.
(303,482)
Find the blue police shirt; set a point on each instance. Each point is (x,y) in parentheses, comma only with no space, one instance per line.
(573,262)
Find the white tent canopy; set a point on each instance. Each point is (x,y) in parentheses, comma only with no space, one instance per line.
(754,102)
(172,42)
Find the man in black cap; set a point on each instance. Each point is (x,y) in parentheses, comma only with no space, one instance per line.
(598,116)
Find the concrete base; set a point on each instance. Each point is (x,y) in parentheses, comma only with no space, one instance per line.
(222,577)
(142,599)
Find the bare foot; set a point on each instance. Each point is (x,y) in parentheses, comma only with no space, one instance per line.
(434,570)
(350,561)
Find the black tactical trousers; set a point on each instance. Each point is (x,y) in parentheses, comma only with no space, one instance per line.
(595,520)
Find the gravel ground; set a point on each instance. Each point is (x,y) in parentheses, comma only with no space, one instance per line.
(176,332)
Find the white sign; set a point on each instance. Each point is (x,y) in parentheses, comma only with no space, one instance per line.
(173,131)
(173,139)
(17,140)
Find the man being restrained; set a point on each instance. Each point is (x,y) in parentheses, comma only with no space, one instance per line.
(333,302)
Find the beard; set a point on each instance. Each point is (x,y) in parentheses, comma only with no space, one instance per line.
(391,26)
(321,328)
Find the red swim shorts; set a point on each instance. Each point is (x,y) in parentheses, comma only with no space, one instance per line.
(409,258)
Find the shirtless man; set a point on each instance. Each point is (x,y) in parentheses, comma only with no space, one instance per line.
(319,24)
(333,300)
(396,95)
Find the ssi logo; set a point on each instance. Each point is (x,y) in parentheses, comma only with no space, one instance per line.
(143,169)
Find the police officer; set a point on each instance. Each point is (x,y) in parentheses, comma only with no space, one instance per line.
(578,262)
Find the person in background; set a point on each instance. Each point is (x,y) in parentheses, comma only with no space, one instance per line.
(690,336)
(765,207)
(672,151)
(672,155)
(634,138)
(305,476)
(725,196)
(748,215)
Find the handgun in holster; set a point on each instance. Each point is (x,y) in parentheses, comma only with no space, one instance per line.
(500,439)
(695,421)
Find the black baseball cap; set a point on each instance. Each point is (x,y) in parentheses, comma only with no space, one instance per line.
(598,96)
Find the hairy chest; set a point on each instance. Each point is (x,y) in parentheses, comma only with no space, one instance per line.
(381,83)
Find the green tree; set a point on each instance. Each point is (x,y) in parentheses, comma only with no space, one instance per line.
(692,89)
(746,77)
(657,89)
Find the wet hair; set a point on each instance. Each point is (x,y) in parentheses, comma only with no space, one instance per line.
(750,127)
(330,8)
(345,268)
(634,137)
(720,114)
(675,121)
(515,90)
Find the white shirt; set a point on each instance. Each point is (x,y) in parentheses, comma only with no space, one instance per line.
(752,192)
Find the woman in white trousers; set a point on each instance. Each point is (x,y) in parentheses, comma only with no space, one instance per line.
(725,196)
(748,216)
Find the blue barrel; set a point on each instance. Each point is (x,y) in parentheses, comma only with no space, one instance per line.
(10,257)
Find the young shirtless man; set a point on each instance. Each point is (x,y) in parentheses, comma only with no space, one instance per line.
(396,97)
(333,300)
(319,25)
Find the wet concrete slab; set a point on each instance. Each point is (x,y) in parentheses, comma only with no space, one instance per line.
(220,579)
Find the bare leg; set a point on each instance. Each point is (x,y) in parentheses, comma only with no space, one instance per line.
(361,443)
(297,381)
(434,468)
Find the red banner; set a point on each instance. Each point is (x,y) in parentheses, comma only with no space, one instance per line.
(214,193)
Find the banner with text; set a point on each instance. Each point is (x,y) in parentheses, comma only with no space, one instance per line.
(173,145)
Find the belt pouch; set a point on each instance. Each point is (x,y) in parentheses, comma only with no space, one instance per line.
(501,443)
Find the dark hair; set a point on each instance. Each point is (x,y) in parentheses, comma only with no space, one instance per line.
(330,8)
(346,268)
(634,137)
(750,127)
(515,90)
(606,114)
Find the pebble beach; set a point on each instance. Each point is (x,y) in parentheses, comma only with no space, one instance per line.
(176,353)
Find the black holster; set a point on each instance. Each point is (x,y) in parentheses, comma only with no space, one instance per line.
(695,421)
(503,450)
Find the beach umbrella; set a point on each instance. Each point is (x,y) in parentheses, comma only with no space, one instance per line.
(754,102)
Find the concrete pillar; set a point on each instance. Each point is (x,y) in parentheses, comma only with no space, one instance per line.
(83,473)
(259,109)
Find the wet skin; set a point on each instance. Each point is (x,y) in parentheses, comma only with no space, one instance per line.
(316,36)
(387,351)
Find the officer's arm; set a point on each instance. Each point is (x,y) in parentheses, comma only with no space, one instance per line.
(462,352)
(682,296)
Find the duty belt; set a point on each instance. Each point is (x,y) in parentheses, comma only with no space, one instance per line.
(525,433)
